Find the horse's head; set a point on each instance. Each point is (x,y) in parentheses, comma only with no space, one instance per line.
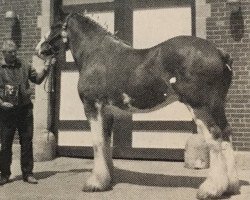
(71,28)
(52,42)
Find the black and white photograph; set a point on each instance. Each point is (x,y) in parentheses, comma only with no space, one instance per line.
(124,99)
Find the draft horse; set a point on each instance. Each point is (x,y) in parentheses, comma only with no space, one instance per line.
(113,73)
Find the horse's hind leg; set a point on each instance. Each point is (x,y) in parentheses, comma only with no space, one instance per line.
(217,181)
(227,150)
(100,124)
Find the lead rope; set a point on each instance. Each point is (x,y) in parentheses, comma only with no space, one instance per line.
(49,83)
(50,76)
(46,82)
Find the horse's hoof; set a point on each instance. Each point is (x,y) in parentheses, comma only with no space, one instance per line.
(211,190)
(97,184)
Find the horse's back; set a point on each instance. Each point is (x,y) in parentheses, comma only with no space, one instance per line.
(191,49)
(144,74)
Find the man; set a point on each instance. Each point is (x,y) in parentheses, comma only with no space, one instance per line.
(16,110)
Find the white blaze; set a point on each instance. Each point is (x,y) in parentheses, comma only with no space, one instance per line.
(43,39)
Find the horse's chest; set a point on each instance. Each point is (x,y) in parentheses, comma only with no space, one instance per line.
(91,83)
(97,83)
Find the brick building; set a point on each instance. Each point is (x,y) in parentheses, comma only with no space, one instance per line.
(230,32)
(210,19)
(27,12)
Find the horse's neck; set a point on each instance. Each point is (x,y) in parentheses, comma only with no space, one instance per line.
(83,45)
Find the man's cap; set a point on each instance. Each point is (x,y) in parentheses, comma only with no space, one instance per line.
(9,45)
(10,14)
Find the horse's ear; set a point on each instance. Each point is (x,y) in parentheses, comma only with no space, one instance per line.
(62,14)
(59,15)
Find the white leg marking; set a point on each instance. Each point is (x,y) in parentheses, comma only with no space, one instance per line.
(38,47)
(100,178)
(217,181)
(234,185)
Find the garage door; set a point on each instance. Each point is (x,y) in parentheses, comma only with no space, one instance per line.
(158,134)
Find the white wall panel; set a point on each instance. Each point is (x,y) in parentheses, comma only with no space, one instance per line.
(71,107)
(156,139)
(152,26)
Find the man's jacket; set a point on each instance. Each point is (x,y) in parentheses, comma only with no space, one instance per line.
(16,77)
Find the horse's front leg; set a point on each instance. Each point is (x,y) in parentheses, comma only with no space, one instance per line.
(101,125)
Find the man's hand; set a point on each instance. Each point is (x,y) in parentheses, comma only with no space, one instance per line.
(6,105)
(50,61)
(53,61)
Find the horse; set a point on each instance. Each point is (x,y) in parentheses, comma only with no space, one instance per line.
(112,72)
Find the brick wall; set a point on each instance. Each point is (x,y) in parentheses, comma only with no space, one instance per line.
(29,35)
(26,33)
(231,32)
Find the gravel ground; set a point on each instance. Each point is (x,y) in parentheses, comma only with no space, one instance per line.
(62,179)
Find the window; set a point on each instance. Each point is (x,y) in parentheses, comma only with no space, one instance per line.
(153,26)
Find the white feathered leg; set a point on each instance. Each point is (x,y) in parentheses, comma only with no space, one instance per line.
(100,178)
(234,185)
(217,181)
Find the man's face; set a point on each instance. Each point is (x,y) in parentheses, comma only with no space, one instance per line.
(9,56)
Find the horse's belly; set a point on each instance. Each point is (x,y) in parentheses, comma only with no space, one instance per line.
(145,97)
(146,102)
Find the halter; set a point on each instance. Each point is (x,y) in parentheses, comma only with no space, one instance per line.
(64,33)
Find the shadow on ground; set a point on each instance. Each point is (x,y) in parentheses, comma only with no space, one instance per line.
(159,180)
(48,174)
(137,178)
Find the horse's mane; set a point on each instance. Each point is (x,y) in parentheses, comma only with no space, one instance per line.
(87,23)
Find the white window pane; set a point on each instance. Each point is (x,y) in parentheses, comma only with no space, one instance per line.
(69,56)
(71,107)
(152,26)
(156,139)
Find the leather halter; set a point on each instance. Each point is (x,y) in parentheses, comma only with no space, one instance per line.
(64,33)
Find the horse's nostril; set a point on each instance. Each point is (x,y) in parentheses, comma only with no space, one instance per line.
(44,49)
(46,52)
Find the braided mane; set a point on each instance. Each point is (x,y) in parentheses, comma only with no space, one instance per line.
(88,24)
(85,20)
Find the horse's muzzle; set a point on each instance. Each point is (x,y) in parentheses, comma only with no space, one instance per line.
(46,50)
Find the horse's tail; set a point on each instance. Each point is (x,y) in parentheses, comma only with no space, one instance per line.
(218,96)
(227,69)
